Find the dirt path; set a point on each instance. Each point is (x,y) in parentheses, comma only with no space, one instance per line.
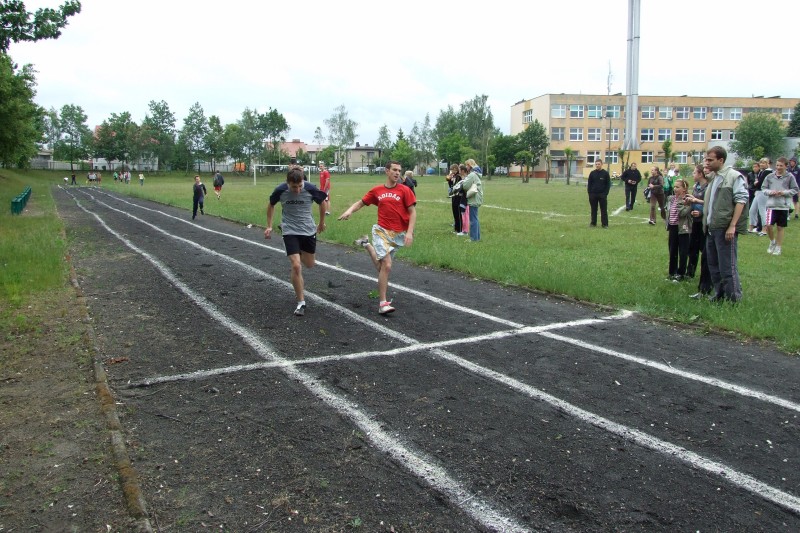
(473,407)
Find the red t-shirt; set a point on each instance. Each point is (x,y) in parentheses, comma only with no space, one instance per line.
(393,204)
(325,181)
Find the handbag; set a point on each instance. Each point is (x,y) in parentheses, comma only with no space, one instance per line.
(646,193)
(472,191)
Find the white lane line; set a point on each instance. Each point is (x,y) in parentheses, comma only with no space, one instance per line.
(416,347)
(745,391)
(714,382)
(416,462)
(419,294)
(695,460)
(744,481)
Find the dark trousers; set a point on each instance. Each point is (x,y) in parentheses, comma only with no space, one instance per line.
(630,195)
(456,201)
(198,202)
(678,251)
(697,245)
(722,264)
(601,200)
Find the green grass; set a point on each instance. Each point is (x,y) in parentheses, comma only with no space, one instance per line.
(534,235)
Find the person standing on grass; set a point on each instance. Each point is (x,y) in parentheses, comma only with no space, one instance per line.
(598,185)
(725,217)
(631,178)
(141,179)
(679,229)
(73,179)
(219,181)
(456,198)
(758,209)
(778,189)
(297,197)
(325,186)
(697,242)
(397,217)
(476,200)
(656,185)
(198,197)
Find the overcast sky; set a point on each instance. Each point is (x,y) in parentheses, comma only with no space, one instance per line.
(393,62)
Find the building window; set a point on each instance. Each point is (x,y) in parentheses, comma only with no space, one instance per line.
(614,111)
(647,135)
(716,135)
(700,113)
(593,134)
(682,158)
(648,111)
(717,113)
(575,111)
(736,113)
(665,112)
(612,134)
(647,157)
(556,134)
(558,111)
(681,135)
(612,157)
(664,134)
(732,135)
(527,116)
(699,136)
(682,113)
(594,111)
(787,114)
(592,156)
(576,134)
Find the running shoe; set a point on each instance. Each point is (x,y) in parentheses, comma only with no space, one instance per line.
(300,310)
(385,308)
(362,241)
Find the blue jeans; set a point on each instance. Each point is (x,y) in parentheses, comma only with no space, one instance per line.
(722,259)
(474,225)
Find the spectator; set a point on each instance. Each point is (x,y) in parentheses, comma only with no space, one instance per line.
(656,185)
(474,201)
(598,185)
(456,198)
(779,188)
(697,240)
(631,178)
(679,229)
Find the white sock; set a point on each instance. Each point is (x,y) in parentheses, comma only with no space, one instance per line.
(301,302)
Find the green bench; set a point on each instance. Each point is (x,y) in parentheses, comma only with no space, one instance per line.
(20,201)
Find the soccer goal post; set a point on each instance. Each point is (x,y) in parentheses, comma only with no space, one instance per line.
(265,169)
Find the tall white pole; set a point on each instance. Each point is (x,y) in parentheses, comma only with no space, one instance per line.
(632,82)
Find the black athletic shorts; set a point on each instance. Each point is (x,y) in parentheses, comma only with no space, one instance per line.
(779,217)
(295,244)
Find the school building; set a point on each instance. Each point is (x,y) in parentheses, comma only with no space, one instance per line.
(593,127)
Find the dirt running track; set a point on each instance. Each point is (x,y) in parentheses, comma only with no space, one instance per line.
(474,407)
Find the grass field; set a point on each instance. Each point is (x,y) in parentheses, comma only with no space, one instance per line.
(534,235)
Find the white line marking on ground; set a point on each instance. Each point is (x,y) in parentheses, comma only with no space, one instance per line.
(414,461)
(714,382)
(744,481)
(751,393)
(448,305)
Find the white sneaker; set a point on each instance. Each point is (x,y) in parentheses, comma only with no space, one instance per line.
(300,310)
(777,250)
(771,248)
(362,241)
(385,307)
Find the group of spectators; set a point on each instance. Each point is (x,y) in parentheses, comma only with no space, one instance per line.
(465,190)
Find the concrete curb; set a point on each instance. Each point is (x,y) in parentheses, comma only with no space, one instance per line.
(132,493)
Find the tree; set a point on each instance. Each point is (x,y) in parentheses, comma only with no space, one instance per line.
(341,131)
(273,126)
(759,133)
(569,153)
(667,148)
(214,141)
(384,146)
(16,24)
(504,149)
(794,124)
(534,141)
(250,136)
(158,127)
(404,154)
(195,128)
(20,117)
(319,140)
(117,139)
(234,142)
(478,125)
(427,147)
(75,138)
(451,148)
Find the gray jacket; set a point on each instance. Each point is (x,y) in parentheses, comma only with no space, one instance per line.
(788,187)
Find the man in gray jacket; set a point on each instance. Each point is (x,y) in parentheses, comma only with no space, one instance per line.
(724,219)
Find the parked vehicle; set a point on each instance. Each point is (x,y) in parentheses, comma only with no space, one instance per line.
(361,170)
(501,171)
(335,169)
